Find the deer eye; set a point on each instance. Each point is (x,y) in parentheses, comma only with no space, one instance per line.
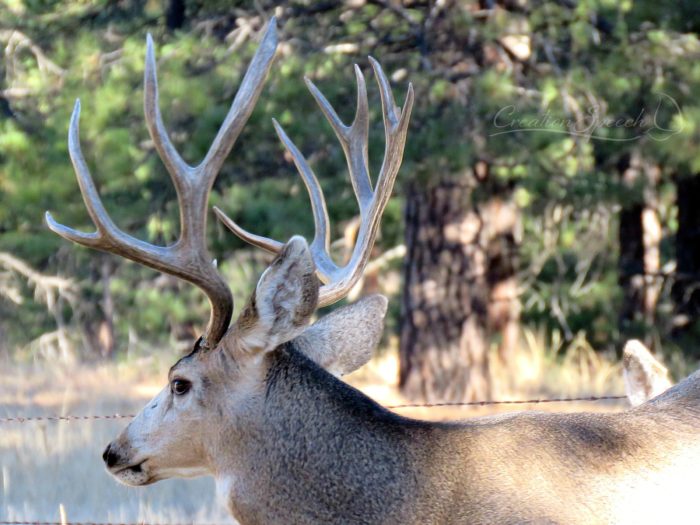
(180,387)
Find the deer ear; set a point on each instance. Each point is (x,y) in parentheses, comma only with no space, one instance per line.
(345,339)
(284,300)
(644,376)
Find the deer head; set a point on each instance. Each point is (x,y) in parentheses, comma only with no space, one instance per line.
(221,383)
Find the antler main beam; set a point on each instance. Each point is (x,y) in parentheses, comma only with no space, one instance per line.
(339,280)
(188,258)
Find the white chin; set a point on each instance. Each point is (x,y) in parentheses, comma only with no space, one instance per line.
(187,472)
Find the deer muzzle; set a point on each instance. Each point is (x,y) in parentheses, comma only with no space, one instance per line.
(125,468)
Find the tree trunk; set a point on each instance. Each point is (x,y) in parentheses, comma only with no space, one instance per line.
(98,324)
(639,239)
(500,218)
(106,331)
(444,335)
(175,14)
(686,287)
(631,265)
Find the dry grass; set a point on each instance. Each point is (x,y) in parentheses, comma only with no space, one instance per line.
(542,368)
(46,464)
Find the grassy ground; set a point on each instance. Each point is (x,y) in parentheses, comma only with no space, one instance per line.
(47,464)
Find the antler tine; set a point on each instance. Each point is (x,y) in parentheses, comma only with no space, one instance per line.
(370,215)
(188,258)
(177,168)
(320,246)
(395,126)
(91,197)
(243,103)
(267,244)
(353,140)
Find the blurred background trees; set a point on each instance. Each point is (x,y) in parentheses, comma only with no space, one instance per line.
(550,182)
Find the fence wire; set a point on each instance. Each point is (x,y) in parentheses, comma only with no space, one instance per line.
(509,402)
(30,419)
(97,523)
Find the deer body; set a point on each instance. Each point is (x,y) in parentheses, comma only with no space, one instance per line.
(315,450)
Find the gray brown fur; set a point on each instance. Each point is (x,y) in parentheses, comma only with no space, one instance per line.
(325,453)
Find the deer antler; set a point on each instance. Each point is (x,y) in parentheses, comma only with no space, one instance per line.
(188,258)
(339,280)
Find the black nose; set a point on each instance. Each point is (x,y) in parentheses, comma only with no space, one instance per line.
(110,457)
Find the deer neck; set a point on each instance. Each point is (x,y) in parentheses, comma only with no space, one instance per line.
(302,440)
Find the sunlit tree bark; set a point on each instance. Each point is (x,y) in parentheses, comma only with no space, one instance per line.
(444,333)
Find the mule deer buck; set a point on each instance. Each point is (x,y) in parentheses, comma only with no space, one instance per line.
(645,377)
(259,406)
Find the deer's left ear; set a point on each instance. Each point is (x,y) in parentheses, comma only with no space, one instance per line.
(284,300)
(345,339)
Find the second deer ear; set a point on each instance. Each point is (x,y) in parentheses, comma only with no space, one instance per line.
(345,339)
(644,376)
(284,300)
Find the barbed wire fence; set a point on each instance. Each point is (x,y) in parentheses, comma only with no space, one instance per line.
(19,419)
(63,522)
(69,417)
(102,523)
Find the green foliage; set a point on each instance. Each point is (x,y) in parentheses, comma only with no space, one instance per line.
(476,100)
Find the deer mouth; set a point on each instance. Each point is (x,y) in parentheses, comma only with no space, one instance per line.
(135,468)
(133,475)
